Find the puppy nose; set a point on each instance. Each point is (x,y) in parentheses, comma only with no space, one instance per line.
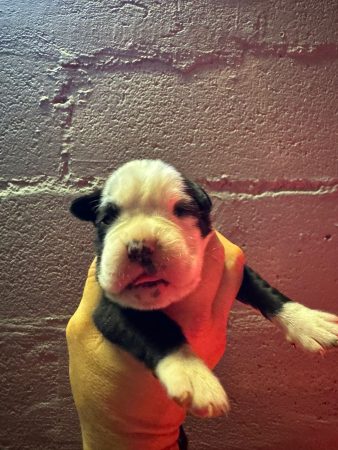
(139,251)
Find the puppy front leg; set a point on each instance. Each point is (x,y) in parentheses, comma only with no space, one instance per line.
(307,328)
(156,340)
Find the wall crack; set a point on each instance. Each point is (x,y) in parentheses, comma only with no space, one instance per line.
(185,61)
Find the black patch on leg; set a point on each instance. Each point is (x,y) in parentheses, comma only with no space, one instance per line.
(257,292)
(148,335)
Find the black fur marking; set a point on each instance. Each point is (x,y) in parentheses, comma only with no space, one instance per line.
(108,214)
(104,219)
(182,440)
(199,195)
(86,207)
(148,335)
(184,208)
(204,204)
(99,239)
(257,293)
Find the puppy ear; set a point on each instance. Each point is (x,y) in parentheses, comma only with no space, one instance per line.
(85,207)
(199,195)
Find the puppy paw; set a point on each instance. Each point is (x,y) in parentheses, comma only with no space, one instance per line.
(192,385)
(312,330)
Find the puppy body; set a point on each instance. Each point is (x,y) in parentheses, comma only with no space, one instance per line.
(168,282)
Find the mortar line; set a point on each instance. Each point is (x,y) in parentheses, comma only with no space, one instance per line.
(51,185)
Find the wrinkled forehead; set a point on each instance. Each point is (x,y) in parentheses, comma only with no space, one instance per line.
(147,183)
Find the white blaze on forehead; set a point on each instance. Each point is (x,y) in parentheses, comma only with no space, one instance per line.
(143,183)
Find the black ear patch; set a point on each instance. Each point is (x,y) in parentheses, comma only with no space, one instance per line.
(203,201)
(86,207)
(199,195)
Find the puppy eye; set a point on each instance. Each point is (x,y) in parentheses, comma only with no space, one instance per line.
(107,219)
(109,215)
(185,208)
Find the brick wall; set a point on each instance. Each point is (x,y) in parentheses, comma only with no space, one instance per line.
(241,96)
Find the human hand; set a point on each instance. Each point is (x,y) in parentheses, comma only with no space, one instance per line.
(121,405)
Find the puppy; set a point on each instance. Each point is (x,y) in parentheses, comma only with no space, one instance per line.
(152,230)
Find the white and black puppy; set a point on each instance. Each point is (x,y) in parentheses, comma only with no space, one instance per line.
(152,229)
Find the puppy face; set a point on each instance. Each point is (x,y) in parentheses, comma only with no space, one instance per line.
(152,228)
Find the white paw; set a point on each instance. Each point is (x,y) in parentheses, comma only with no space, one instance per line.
(307,328)
(191,384)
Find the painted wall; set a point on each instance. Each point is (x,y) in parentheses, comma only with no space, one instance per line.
(242,96)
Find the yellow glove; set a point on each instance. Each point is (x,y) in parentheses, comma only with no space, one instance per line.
(121,405)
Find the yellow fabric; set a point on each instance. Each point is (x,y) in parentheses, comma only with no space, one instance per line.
(121,405)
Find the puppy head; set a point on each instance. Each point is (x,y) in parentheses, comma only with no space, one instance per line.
(152,227)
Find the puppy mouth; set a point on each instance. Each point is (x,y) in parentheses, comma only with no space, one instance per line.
(145,280)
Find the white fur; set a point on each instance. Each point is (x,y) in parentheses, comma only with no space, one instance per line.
(307,328)
(146,191)
(191,384)
(144,184)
